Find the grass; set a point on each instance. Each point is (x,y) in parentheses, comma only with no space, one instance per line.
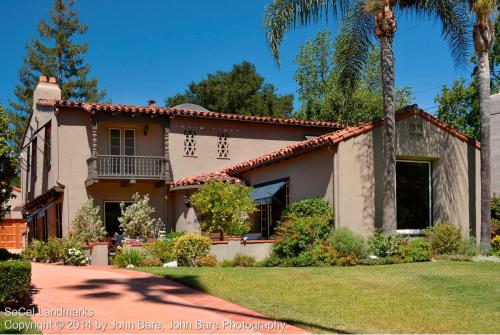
(7,327)
(433,297)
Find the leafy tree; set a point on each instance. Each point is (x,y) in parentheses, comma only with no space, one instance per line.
(321,98)
(8,162)
(224,207)
(366,20)
(459,104)
(239,91)
(55,53)
(136,220)
(87,224)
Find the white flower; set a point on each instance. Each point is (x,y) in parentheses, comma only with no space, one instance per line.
(373,257)
(130,266)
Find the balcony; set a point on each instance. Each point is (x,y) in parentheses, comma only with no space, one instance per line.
(102,167)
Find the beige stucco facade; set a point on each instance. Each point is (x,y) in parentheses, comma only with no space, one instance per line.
(350,175)
(495,144)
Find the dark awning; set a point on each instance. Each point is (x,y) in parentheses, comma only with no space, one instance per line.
(263,193)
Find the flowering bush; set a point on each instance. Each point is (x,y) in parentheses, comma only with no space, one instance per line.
(495,245)
(76,256)
(136,220)
(87,224)
(444,239)
(383,245)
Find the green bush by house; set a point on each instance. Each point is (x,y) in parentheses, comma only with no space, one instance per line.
(190,247)
(15,281)
(5,255)
(56,250)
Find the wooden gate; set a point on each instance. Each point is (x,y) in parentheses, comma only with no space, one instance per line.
(12,233)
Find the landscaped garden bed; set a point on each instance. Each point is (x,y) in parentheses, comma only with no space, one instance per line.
(430,297)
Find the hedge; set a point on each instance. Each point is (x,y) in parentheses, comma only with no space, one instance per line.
(15,282)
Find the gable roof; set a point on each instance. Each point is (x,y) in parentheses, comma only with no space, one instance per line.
(340,136)
(152,110)
(314,144)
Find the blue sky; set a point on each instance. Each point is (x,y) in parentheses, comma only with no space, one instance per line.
(142,50)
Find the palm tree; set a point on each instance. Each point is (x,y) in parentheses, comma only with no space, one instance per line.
(365,20)
(483,36)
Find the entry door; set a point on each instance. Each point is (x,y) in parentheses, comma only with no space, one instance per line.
(112,212)
(413,194)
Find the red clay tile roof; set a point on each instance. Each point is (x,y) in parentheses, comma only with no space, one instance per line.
(90,107)
(339,136)
(204,178)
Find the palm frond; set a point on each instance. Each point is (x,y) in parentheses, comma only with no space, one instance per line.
(455,20)
(352,48)
(283,15)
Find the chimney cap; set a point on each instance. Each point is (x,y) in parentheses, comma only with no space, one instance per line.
(151,103)
(52,80)
(42,79)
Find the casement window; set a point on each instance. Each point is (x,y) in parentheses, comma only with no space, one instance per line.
(222,145)
(47,145)
(190,143)
(122,142)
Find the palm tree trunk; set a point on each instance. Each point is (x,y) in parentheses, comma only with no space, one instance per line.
(483,79)
(389,224)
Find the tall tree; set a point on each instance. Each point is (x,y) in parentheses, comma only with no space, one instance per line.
(8,162)
(459,104)
(321,98)
(483,37)
(239,91)
(367,19)
(55,53)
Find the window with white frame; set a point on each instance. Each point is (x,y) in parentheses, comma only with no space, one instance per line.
(222,145)
(190,143)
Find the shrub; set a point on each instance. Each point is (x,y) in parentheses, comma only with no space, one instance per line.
(5,255)
(150,261)
(383,245)
(15,282)
(75,256)
(224,207)
(303,260)
(136,220)
(469,247)
(227,263)
(87,223)
(444,238)
(55,250)
(495,245)
(495,208)
(302,225)
(347,243)
(188,248)
(35,251)
(244,260)
(130,257)
(208,261)
(415,250)
(495,228)
(161,249)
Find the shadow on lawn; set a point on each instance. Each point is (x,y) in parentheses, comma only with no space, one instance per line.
(157,290)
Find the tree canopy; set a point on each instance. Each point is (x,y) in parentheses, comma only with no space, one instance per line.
(239,91)
(319,93)
(8,162)
(459,104)
(54,53)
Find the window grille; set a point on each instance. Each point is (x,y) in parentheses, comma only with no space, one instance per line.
(222,146)
(189,143)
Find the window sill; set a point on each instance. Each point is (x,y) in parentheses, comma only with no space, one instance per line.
(224,158)
(410,232)
(189,156)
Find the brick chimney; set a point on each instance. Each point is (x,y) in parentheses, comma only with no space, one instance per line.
(46,88)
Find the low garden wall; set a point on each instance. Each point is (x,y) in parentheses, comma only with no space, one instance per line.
(260,249)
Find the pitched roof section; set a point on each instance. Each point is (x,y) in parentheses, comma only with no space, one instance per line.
(202,179)
(91,107)
(340,136)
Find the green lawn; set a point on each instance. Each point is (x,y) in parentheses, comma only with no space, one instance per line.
(433,297)
(15,323)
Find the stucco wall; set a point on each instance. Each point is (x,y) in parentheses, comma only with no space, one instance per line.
(184,218)
(455,182)
(16,205)
(150,144)
(246,140)
(495,144)
(310,175)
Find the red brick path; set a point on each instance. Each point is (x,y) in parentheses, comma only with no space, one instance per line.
(135,302)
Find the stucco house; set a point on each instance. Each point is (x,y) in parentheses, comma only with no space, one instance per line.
(72,150)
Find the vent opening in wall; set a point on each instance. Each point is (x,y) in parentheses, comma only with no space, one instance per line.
(189,143)
(222,145)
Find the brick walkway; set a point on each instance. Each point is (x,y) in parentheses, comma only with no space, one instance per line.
(135,302)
